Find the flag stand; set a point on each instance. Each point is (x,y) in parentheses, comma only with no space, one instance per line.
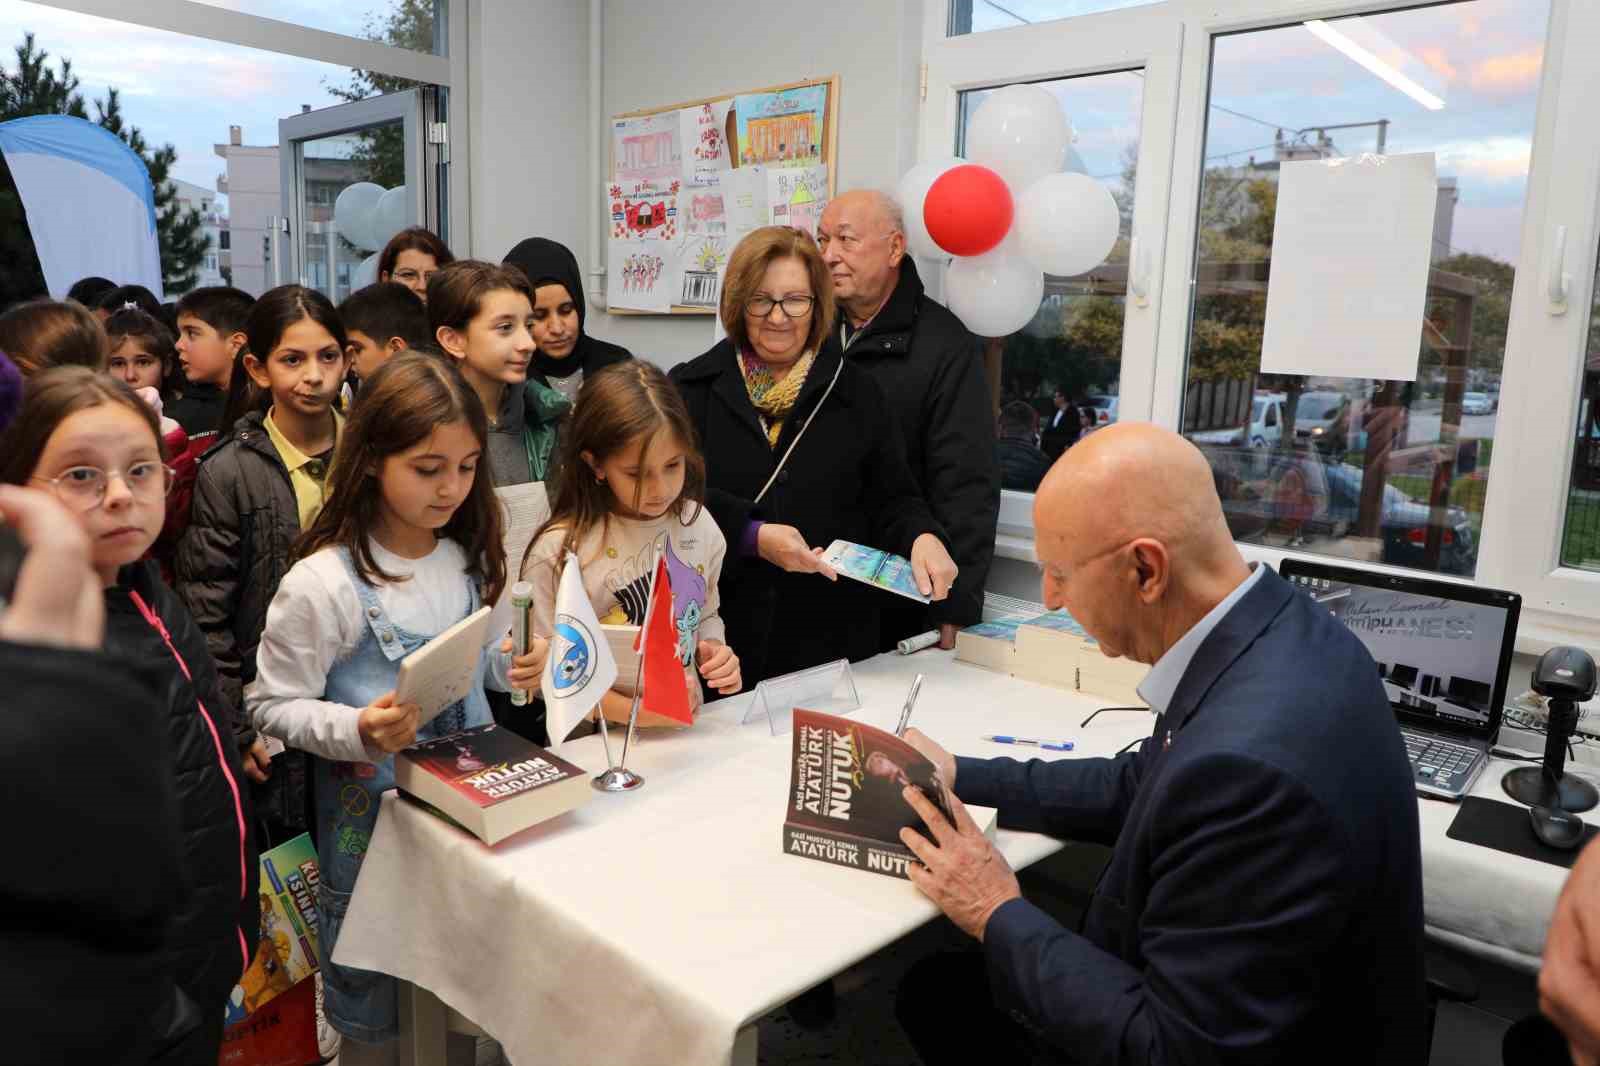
(617,777)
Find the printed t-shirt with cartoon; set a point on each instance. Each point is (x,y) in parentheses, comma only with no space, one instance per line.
(616,558)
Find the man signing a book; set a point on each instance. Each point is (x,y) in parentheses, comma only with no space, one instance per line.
(1263,900)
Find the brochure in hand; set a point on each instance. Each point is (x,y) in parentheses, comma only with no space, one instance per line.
(845,802)
(875,567)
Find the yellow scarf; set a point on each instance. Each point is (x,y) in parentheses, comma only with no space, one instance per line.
(773,399)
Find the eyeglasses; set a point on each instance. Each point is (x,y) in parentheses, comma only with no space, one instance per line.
(408,276)
(83,488)
(792,306)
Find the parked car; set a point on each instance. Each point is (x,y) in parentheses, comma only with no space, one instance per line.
(1104,410)
(1264,431)
(1323,419)
(1478,403)
(1311,499)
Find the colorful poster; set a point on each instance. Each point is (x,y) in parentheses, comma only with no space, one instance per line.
(646,148)
(647,214)
(796,196)
(644,275)
(703,134)
(704,261)
(704,213)
(782,128)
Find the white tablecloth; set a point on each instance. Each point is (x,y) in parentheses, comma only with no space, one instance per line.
(650,927)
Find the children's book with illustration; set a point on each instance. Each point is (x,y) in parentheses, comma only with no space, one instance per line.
(875,567)
(287,953)
(490,781)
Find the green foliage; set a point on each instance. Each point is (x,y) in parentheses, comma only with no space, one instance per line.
(34,89)
(381,152)
(1491,309)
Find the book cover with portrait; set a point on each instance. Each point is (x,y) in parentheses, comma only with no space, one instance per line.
(845,801)
(490,780)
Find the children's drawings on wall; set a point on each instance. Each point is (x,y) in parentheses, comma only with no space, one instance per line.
(647,214)
(644,275)
(704,212)
(796,196)
(703,131)
(646,148)
(703,264)
(783,128)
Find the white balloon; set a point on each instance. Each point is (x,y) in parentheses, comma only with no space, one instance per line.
(391,215)
(352,214)
(1066,224)
(994,294)
(366,274)
(911,194)
(1021,133)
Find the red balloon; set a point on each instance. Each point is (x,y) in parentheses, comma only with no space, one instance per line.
(968,210)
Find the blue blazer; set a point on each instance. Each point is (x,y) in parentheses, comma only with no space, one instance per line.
(1263,901)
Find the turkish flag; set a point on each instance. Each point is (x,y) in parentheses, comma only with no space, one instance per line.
(664,689)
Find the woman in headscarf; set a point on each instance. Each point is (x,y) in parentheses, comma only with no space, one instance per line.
(566,354)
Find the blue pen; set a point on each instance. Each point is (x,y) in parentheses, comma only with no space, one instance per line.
(1030,742)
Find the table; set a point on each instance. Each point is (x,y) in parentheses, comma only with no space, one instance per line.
(660,925)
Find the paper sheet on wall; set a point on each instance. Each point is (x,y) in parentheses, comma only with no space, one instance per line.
(524,508)
(796,196)
(1351,249)
(644,275)
(647,148)
(744,198)
(703,134)
(647,212)
(704,261)
(781,128)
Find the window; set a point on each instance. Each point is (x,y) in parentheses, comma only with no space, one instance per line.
(1580,541)
(1060,375)
(976,16)
(1379,471)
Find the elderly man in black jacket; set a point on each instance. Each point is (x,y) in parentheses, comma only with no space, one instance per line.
(931,370)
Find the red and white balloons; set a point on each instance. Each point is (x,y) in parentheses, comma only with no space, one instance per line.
(1010,213)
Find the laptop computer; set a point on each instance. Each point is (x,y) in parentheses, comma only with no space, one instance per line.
(1443,651)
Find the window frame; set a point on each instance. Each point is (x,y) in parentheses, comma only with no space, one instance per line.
(1525,506)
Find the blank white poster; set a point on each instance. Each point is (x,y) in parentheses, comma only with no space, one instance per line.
(1350,256)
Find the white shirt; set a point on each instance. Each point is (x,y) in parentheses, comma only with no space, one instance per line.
(1161,683)
(315,620)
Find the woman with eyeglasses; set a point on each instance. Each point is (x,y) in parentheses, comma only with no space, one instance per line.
(89,440)
(411,257)
(801,450)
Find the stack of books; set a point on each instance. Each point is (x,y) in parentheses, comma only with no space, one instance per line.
(1051,649)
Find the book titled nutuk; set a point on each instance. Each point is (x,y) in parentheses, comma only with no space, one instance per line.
(490,781)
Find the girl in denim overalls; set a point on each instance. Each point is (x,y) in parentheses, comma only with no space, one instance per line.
(408,544)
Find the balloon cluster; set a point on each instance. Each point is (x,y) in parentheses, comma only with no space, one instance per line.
(367,216)
(1008,213)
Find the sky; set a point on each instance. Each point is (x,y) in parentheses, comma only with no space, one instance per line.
(1483,57)
(186,90)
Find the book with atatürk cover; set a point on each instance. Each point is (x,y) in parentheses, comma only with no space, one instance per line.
(845,801)
(491,781)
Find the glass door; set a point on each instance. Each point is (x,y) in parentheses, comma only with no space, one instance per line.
(353,176)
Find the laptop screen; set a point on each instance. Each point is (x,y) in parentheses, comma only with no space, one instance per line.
(1442,649)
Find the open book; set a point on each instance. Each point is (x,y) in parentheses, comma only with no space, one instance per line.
(443,670)
(875,567)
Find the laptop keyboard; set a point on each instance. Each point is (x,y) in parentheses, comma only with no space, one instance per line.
(1438,762)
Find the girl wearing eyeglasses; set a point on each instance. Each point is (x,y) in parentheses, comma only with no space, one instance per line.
(91,441)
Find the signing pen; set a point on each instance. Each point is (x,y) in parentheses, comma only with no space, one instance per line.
(1047,745)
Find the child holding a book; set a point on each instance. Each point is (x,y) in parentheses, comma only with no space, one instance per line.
(634,487)
(86,437)
(407,545)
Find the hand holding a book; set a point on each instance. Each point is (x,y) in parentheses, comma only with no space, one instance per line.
(932,567)
(388,726)
(962,871)
(719,666)
(785,547)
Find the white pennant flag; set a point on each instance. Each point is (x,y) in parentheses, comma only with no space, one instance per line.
(580,668)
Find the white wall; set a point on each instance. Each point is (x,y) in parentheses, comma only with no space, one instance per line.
(528,108)
(665,53)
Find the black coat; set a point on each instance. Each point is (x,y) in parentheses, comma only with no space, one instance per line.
(1263,901)
(1055,439)
(931,370)
(94,873)
(847,480)
(217,920)
(230,562)
(1022,466)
